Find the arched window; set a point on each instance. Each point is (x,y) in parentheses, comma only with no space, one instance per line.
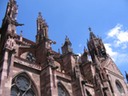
(22,86)
(119,87)
(62,91)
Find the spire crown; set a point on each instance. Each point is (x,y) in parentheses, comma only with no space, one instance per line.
(42,28)
(66,48)
(40,15)
(89,29)
(21,33)
(41,20)
(92,35)
(67,41)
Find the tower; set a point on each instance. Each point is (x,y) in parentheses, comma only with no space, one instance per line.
(7,42)
(96,46)
(106,76)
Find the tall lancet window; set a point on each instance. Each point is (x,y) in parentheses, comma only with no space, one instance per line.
(22,86)
(62,91)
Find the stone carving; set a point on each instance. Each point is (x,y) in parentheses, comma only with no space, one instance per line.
(84,57)
(48,43)
(77,71)
(13,9)
(10,44)
(50,59)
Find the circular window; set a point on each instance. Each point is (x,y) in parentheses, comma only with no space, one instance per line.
(119,87)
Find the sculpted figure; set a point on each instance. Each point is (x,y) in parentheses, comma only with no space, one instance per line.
(10,44)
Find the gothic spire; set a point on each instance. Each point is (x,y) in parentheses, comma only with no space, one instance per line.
(92,35)
(40,16)
(96,46)
(67,41)
(66,48)
(42,28)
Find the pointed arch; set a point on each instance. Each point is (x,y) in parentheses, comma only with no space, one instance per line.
(22,83)
(62,91)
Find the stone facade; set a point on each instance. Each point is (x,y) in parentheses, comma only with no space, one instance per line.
(30,68)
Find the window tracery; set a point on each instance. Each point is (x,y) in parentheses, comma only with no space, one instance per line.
(22,86)
(62,91)
(30,57)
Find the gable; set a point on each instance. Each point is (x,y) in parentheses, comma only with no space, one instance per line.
(111,66)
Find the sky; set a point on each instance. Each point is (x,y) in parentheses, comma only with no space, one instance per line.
(107,18)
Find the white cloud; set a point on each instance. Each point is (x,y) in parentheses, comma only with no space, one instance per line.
(114,31)
(119,36)
(117,44)
(118,57)
(110,51)
(122,37)
(124,46)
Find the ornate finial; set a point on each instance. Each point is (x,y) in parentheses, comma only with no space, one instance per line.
(39,15)
(59,51)
(90,29)
(21,33)
(66,36)
(92,35)
(85,50)
(66,39)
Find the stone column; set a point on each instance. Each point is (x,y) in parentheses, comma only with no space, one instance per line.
(48,82)
(5,83)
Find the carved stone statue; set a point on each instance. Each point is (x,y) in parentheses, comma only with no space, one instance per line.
(10,44)
(50,59)
(77,71)
(48,43)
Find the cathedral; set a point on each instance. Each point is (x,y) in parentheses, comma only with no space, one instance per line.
(30,68)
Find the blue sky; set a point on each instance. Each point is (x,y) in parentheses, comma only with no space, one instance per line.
(107,18)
